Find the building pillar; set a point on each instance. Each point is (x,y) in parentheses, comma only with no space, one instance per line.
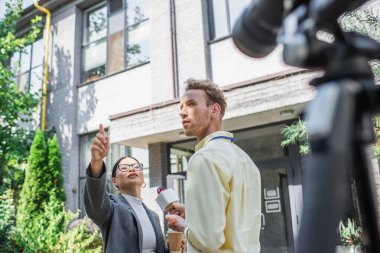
(158,164)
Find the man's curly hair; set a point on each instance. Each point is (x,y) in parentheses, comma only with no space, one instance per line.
(213,92)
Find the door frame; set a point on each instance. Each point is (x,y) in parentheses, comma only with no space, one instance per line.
(293,169)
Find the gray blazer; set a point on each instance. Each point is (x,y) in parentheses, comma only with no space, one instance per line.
(118,222)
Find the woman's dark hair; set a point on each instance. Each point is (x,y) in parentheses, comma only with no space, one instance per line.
(118,162)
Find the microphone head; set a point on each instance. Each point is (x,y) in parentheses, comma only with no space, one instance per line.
(160,189)
(166,197)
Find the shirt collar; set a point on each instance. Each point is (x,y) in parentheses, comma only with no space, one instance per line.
(207,139)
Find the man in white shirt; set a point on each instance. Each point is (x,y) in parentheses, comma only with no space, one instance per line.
(223,195)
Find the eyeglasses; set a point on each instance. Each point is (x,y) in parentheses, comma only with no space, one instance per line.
(128,167)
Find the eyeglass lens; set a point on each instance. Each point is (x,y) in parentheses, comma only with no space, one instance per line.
(127,167)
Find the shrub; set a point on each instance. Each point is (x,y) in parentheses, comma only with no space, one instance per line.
(7,222)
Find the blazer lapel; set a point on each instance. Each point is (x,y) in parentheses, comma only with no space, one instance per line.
(139,229)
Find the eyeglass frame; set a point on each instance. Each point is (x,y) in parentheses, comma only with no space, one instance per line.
(130,166)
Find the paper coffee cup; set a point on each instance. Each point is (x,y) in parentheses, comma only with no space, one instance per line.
(175,241)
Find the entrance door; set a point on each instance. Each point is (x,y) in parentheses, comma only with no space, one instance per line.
(279,211)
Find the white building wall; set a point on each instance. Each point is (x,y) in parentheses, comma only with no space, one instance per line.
(230,66)
(191,41)
(161,52)
(62,96)
(247,106)
(115,94)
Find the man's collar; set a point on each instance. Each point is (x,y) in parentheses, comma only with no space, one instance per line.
(207,139)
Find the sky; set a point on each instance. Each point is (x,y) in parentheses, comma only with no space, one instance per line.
(2,6)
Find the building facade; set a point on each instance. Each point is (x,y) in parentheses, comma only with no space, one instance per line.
(123,63)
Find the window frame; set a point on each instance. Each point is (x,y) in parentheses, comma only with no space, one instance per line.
(211,15)
(211,19)
(86,44)
(126,35)
(30,69)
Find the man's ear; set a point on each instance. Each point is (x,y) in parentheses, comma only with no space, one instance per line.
(216,110)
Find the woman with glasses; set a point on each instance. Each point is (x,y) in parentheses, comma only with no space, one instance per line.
(126,224)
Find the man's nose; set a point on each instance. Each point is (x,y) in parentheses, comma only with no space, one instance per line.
(183,113)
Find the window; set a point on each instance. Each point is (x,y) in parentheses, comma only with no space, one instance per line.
(116,37)
(29,67)
(94,50)
(223,15)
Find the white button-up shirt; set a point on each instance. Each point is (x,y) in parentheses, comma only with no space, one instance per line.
(223,198)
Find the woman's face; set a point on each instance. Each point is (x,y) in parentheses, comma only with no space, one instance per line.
(128,174)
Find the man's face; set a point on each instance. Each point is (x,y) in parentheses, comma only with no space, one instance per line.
(195,113)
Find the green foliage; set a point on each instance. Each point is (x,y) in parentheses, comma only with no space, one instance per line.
(55,169)
(350,234)
(42,188)
(296,133)
(48,232)
(41,217)
(81,238)
(7,222)
(34,193)
(15,107)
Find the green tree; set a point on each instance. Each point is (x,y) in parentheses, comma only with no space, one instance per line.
(15,106)
(55,179)
(43,186)
(42,222)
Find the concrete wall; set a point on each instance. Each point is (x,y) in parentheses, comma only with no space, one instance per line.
(230,66)
(247,106)
(191,38)
(62,95)
(112,95)
(162,86)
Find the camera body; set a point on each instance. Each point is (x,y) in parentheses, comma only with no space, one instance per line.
(297,24)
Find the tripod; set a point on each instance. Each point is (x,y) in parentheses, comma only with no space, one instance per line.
(340,130)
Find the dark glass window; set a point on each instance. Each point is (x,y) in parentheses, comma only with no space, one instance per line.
(94,43)
(223,15)
(116,37)
(28,67)
(137,32)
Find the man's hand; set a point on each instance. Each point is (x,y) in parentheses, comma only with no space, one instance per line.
(99,150)
(175,222)
(176,208)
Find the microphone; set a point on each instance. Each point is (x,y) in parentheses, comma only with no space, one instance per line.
(165,197)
